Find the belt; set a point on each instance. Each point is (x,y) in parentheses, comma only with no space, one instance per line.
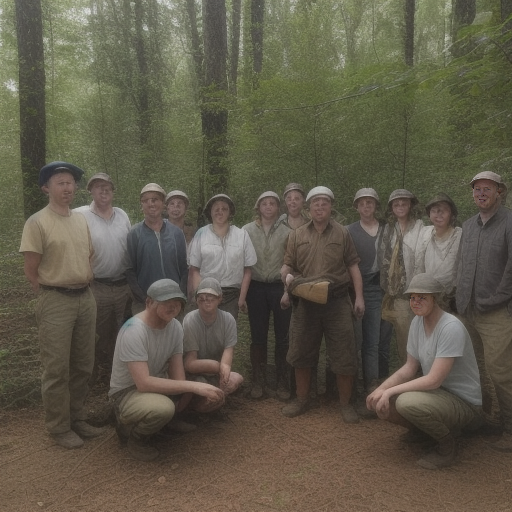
(111,282)
(65,291)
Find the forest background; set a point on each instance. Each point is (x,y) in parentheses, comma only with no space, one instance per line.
(242,96)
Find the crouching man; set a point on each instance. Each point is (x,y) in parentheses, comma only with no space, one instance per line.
(210,337)
(447,397)
(148,381)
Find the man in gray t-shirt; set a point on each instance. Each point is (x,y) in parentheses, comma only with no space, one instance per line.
(148,382)
(209,341)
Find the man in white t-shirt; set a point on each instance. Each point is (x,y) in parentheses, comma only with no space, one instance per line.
(210,337)
(447,397)
(148,382)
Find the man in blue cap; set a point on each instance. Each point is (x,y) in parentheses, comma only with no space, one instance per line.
(57,250)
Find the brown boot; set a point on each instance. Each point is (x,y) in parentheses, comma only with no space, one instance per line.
(442,456)
(139,448)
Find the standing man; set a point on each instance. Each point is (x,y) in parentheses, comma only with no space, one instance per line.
(156,248)
(109,227)
(484,289)
(57,249)
(318,253)
(148,379)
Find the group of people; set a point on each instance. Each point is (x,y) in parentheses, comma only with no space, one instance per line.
(444,290)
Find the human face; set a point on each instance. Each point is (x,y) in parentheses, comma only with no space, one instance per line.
(220,212)
(422,304)
(401,208)
(268,208)
(168,309)
(176,208)
(207,302)
(320,209)
(485,195)
(102,193)
(152,205)
(366,207)
(440,215)
(294,201)
(61,188)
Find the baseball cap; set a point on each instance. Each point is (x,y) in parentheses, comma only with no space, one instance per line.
(100,176)
(209,285)
(48,170)
(165,289)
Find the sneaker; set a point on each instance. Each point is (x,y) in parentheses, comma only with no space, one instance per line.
(139,448)
(436,460)
(83,429)
(504,443)
(295,408)
(69,440)
(349,414)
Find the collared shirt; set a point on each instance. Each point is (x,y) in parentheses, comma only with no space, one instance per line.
(109,239)
(327,255)
(222,258)
(485,265)
(269,249)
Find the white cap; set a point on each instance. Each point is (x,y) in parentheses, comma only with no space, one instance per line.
(177,193)
(320,191)
(269,193)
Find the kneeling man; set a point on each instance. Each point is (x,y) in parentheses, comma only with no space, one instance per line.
(210,337)
(148,381)
(447,397)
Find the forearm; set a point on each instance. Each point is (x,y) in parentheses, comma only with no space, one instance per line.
(165,386)
(246,281)
(208,366)
(357,280)
(194,278)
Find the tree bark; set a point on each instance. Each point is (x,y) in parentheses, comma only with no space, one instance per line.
(235,45)
(32,81)
(464,12)
(410,6)
(506,12)
(257,20)
(214,112)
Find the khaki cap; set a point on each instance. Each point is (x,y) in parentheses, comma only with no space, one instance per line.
(153,187)
(366,192)
(294,186)
(488,175)
(100,176)
(209,285)
(219,197)
(424,283)
(177,193)
(268,193)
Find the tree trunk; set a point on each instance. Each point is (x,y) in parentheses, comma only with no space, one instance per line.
(410,6)
(235,45)
(506,12)
(257,19)
(214,112)
(29,30)
(195,41)
(464,12)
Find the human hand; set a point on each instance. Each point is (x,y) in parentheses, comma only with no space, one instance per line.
(359,308)
(224,372)
(382,407)
(242,306)
(285,301)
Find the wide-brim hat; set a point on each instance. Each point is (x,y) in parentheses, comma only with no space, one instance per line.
(153,187)
(166,289)
(366,192)
(441,197)
(424,283)
(320,191)
(268,193)
(218,197)
(48,170)
(100,176)
(177,193)
(402,193)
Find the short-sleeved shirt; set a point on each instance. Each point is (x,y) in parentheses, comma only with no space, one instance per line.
(64,243)
(222,258)
(325,255)
(109,239)
(269,249)
(137,342)
(367,247)
(449,339)
(209,340)
(485,264)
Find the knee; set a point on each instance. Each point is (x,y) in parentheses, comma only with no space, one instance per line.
(235,381)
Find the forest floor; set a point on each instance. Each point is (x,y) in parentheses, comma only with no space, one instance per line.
(250,458)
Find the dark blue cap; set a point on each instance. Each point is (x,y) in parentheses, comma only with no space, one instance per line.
(52,168)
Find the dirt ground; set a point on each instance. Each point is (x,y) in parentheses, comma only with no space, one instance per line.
(251,458)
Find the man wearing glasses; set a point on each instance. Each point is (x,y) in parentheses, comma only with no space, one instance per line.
(209,341)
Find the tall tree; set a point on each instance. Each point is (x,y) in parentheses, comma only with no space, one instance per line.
(463,14)
(410,7)
(29,31)
(257,18)
(214,110)
(236,15)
